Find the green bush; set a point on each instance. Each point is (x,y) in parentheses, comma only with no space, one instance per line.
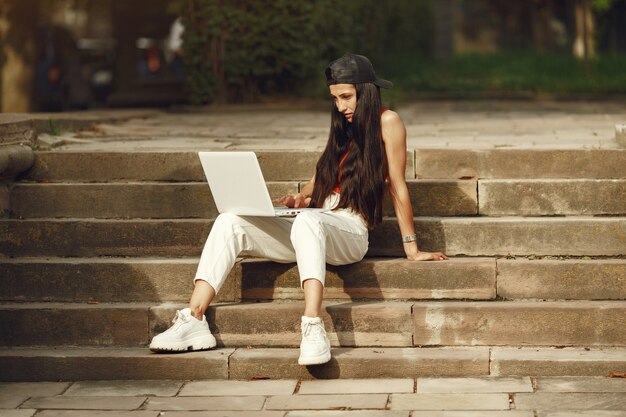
(236,50)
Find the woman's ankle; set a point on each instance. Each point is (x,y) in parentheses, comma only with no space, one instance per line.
(197,312)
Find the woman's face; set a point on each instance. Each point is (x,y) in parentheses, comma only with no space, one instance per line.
(345,99)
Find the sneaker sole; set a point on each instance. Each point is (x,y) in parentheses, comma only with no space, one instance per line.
(315,360)
(201,343)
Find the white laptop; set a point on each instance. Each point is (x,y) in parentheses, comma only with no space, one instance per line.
(238,187)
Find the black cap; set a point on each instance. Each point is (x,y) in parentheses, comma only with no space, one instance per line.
(353,69)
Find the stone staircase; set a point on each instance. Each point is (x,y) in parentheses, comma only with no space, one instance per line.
(100,248)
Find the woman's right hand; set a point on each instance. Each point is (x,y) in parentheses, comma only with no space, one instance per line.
(427,256)
(291,201)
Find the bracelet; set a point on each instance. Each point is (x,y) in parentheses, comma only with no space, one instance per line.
(408,239)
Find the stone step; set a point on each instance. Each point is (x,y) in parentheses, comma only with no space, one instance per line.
(76,364)
(503,236)
(559,361)
(349,324)
(459,278)
(163,279)
(194,200)
(300,165)
(575,279)
(551,197)
(428,198)
(78,166)
(550,323)
(573,236)
(356,324)
(520,163)
(121,200)
(80,363)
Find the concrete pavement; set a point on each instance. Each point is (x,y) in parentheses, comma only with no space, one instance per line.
(430,125)
(407,397)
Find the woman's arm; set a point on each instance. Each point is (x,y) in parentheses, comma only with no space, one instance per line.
(307,190)
(394,137)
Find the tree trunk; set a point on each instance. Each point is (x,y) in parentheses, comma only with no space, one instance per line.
(18,43)
(541,15)
(218,48)
(584,45)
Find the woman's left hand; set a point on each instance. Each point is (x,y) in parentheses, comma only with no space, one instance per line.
(427,256)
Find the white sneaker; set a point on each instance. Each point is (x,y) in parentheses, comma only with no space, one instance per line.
(315,346)
(187,333)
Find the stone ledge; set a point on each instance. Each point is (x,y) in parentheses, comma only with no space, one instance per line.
(520,163)
(349,324)
(519,323)
(171,166)
(18,131)
(552,197)
(489,236)
(194,199)
(15,159)
(26,126)
(361,363)
(620,134)
(170,280)
(77,364)
(278,323)
(299,165)
(568,279)
(550,361)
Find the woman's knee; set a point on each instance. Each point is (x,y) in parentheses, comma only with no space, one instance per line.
(227,224)
(227,221)
(228,218)
(307,223)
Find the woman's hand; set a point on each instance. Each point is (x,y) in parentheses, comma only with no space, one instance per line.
(293,201)
(426,256)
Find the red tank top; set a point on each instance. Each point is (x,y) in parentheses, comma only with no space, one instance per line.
(343,158)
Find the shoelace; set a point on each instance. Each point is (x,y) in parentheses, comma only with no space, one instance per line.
(308,327)
(179,319)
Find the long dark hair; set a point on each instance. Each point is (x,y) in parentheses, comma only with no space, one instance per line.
(364,171)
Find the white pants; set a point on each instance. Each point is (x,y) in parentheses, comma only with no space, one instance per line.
(311,239)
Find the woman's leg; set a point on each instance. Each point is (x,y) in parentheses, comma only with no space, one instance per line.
(319,238)
(313,295)
(311,239)
(201,297)
(230,236)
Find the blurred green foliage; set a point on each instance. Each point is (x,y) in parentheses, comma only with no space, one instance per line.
(601,5)
(236,50)
(527,72)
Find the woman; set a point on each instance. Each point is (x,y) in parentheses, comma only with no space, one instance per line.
(365,155)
